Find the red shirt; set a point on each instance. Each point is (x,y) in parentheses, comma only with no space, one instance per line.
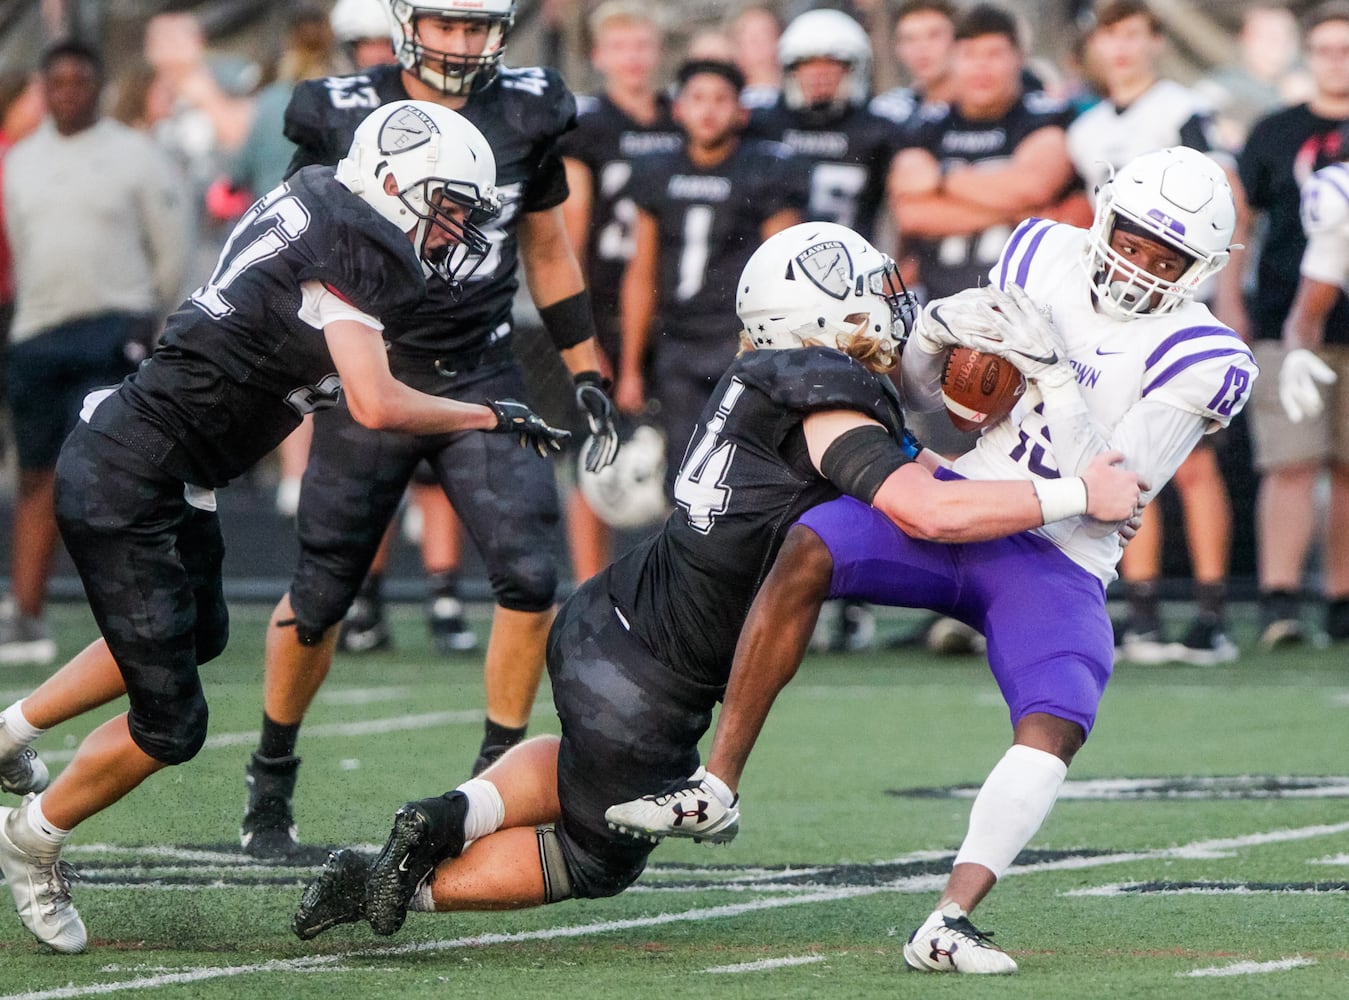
(6,258)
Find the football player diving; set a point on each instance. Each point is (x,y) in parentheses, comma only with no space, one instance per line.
(1119,358)
(802,416)
(289,319)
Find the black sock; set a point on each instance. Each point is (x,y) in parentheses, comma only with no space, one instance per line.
(372,587)
(497,735)
(277,740)
(447,814)
(1211,599)
(1143,601)
(443,583)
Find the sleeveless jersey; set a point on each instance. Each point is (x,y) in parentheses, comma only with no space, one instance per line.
(710,223)
(1184,358)
(522,113)
(607,140)
(950,263)
(745,480)
(849,159)
(238,365)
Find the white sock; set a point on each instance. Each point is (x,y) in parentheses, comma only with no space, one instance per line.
(486,810)
(33,833)
(720,789)
(17,732)
(1014,800)
(421,901)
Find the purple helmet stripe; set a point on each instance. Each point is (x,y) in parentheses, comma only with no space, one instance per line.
(1176,367)
(1012,244)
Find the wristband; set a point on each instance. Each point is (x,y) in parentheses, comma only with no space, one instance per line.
(592,378)
(569,322)
(1061,498)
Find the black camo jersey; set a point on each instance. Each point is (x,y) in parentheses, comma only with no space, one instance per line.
(849,159)
(522,113)
(950,264)
(607,140)
(746,478)
(237,367)
(710,223)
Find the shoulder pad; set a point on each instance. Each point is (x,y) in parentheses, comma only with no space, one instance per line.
(1325,199)
(1207,370)
(1021,249)
(896,105)
(810,379)
(541,106)
(586,104)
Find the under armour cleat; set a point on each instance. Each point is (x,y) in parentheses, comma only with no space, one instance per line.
(41,890)
(424,833)
(693,811)
(268,829)
(336,897)
(948,942)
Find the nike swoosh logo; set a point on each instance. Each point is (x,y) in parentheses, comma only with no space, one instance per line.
(935,313)
(1106,354)
(1052,358)
(403,865)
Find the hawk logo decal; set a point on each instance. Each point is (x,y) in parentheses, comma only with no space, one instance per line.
(829,266)
(407,128)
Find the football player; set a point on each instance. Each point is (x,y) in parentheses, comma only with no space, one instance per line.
(289,319)
(799,417)
(822,117)
(1119,358)
(630,118)
(701,211)
(449,52)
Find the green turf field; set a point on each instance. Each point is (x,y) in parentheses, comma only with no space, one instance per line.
(852,807)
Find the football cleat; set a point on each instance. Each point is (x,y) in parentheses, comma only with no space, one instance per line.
(424,833)
(41,890)
(22,771)
(365,629)
(1280,620)
(1142,641)
(948,942)
(268,829)
(693,811)
(336,897)
(449,632)
(1205,644)
(949,637)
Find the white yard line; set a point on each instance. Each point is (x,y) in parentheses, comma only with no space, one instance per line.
(910,884)
(1249,968)
(768,963)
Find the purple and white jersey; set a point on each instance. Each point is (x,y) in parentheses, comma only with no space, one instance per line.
(1152,385)
(1325,219)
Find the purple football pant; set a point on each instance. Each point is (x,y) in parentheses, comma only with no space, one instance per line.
(1050,643)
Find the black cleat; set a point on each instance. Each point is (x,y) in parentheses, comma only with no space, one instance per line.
(424,833)
(337,896)
(268,829)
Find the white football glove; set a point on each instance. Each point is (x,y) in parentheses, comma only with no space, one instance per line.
(1028,340)
(1298,378)
(965,319)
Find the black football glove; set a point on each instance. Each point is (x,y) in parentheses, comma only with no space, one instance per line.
(534,431)
(602,445)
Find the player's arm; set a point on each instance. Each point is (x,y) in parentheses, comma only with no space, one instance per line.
(921,209)
(1306,323)
(577,208)
(862,459)
(637,309)
(1037,174)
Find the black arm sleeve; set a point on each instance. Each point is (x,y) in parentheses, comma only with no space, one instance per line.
(860,460)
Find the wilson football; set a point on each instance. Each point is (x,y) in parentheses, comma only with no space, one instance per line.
(979,389)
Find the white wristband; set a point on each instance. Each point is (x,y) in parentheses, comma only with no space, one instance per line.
(1060,498)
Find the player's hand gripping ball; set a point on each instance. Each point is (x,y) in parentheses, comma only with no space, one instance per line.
(979,389)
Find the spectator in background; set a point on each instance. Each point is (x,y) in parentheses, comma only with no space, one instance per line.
(711,45)
(1269,76)
(701,212)
(1283,151)
(21,110)
(1142,113)
(754,36)
(91,287)
(630,118)
(925,35)
(362,27)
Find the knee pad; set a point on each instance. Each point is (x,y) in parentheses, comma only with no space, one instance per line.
(528,583)
(175,732)
(557,884)
(319,604)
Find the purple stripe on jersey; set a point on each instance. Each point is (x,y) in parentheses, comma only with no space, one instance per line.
(1023,269)
(1012,244)
(1189,333)
(1175,368)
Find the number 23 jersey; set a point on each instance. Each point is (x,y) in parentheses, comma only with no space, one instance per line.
(1153,386)
(243,360)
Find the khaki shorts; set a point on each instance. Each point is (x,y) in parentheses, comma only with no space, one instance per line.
(1276,440)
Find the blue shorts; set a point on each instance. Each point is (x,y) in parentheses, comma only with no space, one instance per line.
(1050,644)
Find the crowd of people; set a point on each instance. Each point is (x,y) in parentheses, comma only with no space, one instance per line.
(751,189)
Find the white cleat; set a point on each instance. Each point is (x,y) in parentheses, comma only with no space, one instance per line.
(948,942)
(23,771)
(41,890)
(692,811)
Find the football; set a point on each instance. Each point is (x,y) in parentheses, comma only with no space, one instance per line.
(979,389)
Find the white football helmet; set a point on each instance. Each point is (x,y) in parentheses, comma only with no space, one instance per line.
(433,154)
(1177,196)
(356,20)
(629,492)
(455,75)
(819,281)
(826,34)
